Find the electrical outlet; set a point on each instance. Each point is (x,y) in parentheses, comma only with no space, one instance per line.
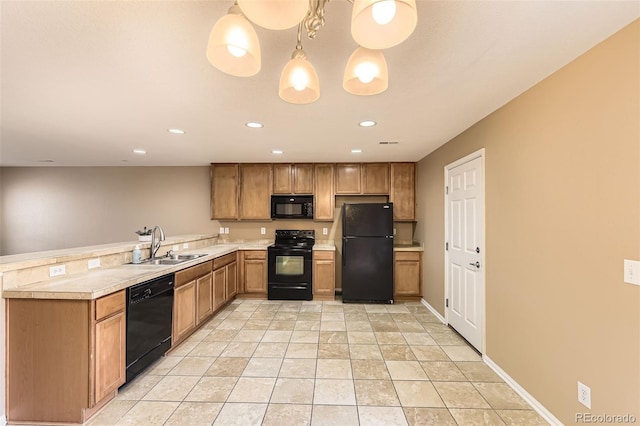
(221,230)
(263,231)
(325,231)
(226,230)
(632,272)
(394,231)
(54,271)
(185,245)
(176,247)
(93,263)
(584,395)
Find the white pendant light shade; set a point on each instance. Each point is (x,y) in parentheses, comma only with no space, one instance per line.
(366,72)
(299,82)
(275,14)
(233,45)
(380,24)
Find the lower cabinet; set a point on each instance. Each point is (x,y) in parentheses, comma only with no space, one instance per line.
(65,358)
(407,274)
(324,275)
(254,271)
(110,344)
(204,297)
(184,311)
(225,280)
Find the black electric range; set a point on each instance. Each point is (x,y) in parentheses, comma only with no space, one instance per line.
(290,265)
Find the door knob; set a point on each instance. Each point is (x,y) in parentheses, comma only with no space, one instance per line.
(477,264)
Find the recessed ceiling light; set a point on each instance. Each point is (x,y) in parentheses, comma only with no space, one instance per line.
(254,125)
(176,131)
(367,123)
(277,151)
(356,151)
(139,151)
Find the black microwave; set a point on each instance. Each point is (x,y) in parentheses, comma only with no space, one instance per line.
(292,207)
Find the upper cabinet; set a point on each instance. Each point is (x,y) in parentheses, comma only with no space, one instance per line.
(224,191)
(362,179)
(375,178)
(324,196)
(255,191)
(293,178)
(348,179)
(402,193)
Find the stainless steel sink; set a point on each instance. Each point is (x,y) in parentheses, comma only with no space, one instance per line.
(173,260)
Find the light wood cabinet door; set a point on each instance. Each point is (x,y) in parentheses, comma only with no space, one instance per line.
(254,271)
(407,273)
(302,178)
(219,287)
(224,191)
(324,275)
(348,179)
(255,191)
(282,178)
(324,196)
(403,191)
(204,296)
(110,354)
(232,281)
(184,311)
(375,178)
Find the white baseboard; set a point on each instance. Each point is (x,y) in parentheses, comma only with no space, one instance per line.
(540,409)
(433,311)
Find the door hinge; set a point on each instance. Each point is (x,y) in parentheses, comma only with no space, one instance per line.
(446,189)
(446,246)
(446,302)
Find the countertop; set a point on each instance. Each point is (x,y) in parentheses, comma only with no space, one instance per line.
(101,282)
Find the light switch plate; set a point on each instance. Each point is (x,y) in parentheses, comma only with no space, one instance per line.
(93,263)
(263,230)
(632,272)
(226,230)
(54,271)
(185,245)
(325,231)
(221,230)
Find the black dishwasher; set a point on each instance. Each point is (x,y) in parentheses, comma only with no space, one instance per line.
(149,318)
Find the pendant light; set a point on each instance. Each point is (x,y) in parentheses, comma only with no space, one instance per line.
(275,14)
(233,45)
(380,24)
(299,82)
(366,72)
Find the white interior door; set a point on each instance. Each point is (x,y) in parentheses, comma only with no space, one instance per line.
(465,232)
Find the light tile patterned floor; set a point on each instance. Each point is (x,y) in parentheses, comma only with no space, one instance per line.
(261,362)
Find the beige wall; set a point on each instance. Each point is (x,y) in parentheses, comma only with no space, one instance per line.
(47,208)
(562,212)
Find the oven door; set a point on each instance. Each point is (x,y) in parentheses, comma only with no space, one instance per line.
(290,274)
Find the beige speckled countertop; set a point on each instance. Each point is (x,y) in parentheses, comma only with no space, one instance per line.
(100,282)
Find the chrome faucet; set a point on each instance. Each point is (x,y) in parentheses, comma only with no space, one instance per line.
(155,245)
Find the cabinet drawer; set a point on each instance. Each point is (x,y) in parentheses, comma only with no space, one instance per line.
(223,261)
(109,305)
(323,255)
(408,255)
(255,255)
(186,275)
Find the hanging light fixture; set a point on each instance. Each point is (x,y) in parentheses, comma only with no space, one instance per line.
(233,45)
(299,82)
(275,14)
(366,72)
(380,24)
(376,24)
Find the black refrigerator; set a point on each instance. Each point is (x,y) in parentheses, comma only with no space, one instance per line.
(367,253)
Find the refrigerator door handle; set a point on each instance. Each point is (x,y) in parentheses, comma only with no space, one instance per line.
(344,251)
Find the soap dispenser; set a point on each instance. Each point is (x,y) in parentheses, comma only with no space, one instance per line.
(137,254)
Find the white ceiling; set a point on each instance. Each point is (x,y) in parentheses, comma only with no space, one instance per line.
(86,82)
